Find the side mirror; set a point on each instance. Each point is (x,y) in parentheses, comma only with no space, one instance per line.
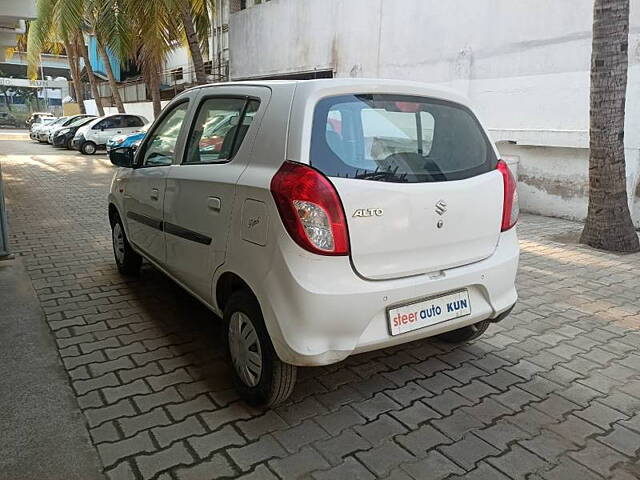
(122,157)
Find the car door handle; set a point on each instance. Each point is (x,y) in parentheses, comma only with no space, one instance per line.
(214,203)
(154,194)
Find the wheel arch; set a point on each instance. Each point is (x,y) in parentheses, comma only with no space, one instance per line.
(113,214)
(227,284)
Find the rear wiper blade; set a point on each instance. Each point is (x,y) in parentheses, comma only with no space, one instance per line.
(382,175)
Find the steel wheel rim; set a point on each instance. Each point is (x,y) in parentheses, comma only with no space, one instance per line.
(244,346)
(89,149)
(118,243)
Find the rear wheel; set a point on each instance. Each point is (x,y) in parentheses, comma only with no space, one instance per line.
(88,148)
(70,144)
(127,260)
(465,334)
(260,377)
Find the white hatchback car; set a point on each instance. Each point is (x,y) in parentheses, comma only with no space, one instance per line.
(335,217)
(94,135)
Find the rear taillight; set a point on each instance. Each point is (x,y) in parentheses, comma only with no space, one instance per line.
(510,208)
(310,209)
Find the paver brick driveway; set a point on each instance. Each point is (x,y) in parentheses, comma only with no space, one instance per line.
(552,392)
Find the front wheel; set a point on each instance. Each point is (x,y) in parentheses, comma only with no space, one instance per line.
(127,260)
(260,377)
(465,334)
(88,148)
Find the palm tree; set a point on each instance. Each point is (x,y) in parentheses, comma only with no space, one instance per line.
(608,225)
(196,26)
(192,41)
(112,31)
(62,20)
(157,30)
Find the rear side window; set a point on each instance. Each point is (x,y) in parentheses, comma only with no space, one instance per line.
(396,138)
(131,122)
(219,130)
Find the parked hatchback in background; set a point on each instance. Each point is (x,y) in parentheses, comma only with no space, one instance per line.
(94,135)
(337,217)
(61,125)
(36,117)
(36,125)
(43,132)
(64,136)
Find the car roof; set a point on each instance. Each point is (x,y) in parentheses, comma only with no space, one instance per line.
(355,85)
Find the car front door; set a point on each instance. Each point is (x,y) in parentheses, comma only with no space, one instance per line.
(114,127)
(145,186)
(200,191)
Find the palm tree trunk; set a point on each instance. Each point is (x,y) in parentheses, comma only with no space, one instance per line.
(113,85)
(192,40)
(72,57)
(92,79)
(153,80)
(608,225)
(6,99)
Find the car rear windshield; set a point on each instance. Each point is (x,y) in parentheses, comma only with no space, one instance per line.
(396,138)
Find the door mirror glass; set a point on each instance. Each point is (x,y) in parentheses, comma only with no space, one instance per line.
(122,156)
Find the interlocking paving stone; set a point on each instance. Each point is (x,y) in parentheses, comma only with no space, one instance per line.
(380,430)
(144,421)
(220,439)
(151,465)
(469,451)
(420,441)
(216,467)
(551,392)
(381,460)
(434,466)
(256,452)
(110,453)
(350,469)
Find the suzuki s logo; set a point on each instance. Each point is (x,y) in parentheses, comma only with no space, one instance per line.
(441,207)
(368,212)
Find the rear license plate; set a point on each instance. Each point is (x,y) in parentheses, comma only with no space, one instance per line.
(429,311)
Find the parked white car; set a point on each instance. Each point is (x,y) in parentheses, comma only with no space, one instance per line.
(43,132)
(94,135)
(39,123)
(337,217)
(53,129)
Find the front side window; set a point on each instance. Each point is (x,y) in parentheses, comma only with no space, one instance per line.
(219,130)
(160,148)
(396,138)
(105,124)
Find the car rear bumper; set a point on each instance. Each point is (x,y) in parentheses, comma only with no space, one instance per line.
(319,313)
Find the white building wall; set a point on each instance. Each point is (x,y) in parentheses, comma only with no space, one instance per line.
(525,66)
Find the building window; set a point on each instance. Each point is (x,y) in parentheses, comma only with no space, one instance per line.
(208,67)
(177,74)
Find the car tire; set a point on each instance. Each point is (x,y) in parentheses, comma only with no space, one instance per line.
(127,260)
(88,148)
(465,334)
(69,144)
(267,380)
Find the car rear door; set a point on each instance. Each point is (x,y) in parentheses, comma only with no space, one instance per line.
(201,190)
(144,188)
(417,178)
